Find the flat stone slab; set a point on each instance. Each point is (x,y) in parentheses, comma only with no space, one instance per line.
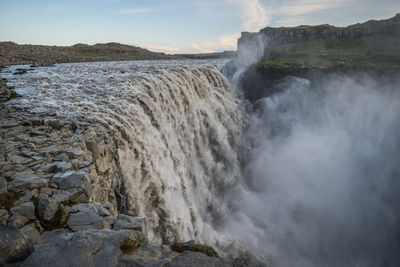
(128,222)
(83,248)
(20,185)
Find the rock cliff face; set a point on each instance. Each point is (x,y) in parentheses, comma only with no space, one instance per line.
(266,58)
(269,36)
(14,54)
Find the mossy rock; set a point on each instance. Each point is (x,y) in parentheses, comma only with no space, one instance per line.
(7,199)
(129,245)
(209,251)
(181,247)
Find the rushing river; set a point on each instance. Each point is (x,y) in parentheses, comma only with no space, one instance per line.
(309,178)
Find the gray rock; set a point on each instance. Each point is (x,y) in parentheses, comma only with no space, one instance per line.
(63,166)
(128,222)
(47,208)
(32,234)
(4,215)
(83,220)
(14,246)
(72,181)
(3,212)
(101,210)
(48,168)
(19,185)
(149,255)
(17,221)
(22,138)
(74,155)
(16,159)
(25,209)
(111,207)
(28,196)
(108,222)
(26,173)
(84,164)
(83,248)
(61,157)
(196,259)
(3,185)
(61,196)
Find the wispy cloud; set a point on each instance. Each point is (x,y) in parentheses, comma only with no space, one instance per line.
(161,48)
(202,49)
(303,7)
(253,14)
(228,42)
(135,11)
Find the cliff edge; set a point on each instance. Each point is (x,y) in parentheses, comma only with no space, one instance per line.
(305,51)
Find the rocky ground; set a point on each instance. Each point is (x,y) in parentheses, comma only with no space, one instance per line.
(59,205)
(39,55)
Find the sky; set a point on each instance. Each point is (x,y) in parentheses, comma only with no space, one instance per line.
(172,26)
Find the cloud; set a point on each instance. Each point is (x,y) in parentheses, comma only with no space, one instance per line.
(254,15)
(203,50)
(135,11)
(161,48)
(303,7)
(229,42)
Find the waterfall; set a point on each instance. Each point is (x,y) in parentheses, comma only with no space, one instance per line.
(170,137)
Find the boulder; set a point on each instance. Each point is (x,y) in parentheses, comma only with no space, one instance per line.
(14,246)
(196,259)
(149,255)
(73,181)
(25,209)
(48,168)
(83,248)
(128,222)
(47,208)
(85,220)
(17,221)
(32,234)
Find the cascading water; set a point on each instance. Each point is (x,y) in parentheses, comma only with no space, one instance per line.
(177,127)
(319,186)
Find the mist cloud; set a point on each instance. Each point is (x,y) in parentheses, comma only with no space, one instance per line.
(322,180)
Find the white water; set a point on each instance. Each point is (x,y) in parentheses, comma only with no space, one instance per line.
(178,126)
(320,185)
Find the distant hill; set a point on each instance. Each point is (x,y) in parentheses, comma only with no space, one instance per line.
(216,55)
(12,53)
